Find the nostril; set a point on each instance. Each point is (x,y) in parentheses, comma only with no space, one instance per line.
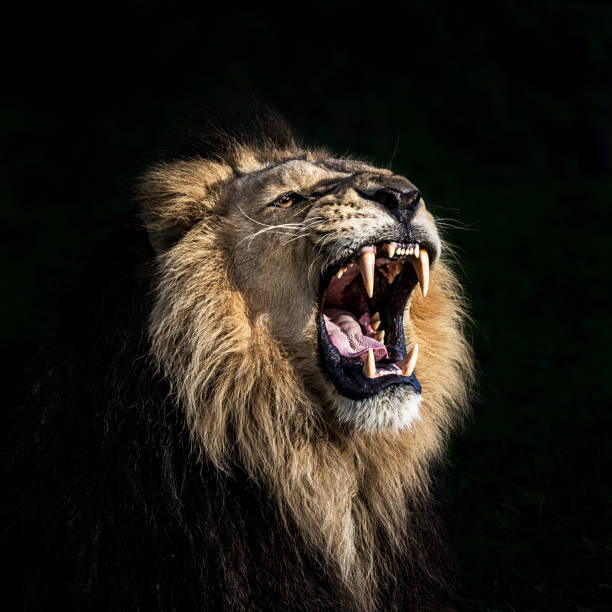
(410,199)
(397,199)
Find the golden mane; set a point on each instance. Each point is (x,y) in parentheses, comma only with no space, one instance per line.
(342,492)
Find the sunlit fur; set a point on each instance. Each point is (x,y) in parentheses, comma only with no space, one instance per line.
(235,333)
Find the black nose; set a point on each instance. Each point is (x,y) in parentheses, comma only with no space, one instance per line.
(397,199)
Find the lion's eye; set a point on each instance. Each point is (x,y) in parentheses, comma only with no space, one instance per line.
(287,200)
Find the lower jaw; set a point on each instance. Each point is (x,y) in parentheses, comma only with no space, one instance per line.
(347,375)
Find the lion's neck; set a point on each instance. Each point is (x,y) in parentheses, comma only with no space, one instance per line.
(344,497)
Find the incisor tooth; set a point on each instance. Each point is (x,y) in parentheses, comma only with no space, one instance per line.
(380,335)
(369,367)
(390,247)
(416,250)
(340,272)
(409,361)
(375,317)
(367,261)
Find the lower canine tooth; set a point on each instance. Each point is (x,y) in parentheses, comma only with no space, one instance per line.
(369,367)
(367,265)
(409,361)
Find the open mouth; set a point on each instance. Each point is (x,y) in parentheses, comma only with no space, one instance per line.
(361,318)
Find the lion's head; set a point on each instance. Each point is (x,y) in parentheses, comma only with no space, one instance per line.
(310,328)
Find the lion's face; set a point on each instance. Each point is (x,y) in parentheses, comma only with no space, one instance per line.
(328,254)
(286,317)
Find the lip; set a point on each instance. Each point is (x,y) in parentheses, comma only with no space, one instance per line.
(389,300)
(407,234)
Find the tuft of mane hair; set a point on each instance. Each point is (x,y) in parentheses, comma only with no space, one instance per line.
(173,454)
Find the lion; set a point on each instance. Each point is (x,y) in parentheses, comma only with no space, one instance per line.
(248,397)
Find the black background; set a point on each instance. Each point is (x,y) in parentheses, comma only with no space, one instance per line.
(501,116)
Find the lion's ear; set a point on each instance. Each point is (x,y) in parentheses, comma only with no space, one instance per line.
(174,196)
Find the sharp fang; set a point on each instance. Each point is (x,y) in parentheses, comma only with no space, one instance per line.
(369,367)
(409,361)
(421,266)
(380,335)
(367,264)
(375,325)
(375,317)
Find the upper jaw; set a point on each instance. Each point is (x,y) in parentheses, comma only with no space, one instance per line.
(413,234)
(426,239)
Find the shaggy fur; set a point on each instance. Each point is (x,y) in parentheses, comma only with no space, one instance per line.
(182,448)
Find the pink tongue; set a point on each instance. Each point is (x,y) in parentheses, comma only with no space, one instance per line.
(347,336)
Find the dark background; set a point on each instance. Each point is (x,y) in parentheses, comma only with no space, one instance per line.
(501,115)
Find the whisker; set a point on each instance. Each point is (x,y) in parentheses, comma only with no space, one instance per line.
(397,142)
(310,269)
(297,229)
(452,223)
(250,237)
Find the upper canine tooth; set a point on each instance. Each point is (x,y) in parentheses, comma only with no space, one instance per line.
(369,367)
(367,265)
(421,266)
(409,361)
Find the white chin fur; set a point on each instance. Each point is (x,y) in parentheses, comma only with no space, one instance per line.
(392,410)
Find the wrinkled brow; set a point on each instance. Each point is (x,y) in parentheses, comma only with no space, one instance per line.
(325,186)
